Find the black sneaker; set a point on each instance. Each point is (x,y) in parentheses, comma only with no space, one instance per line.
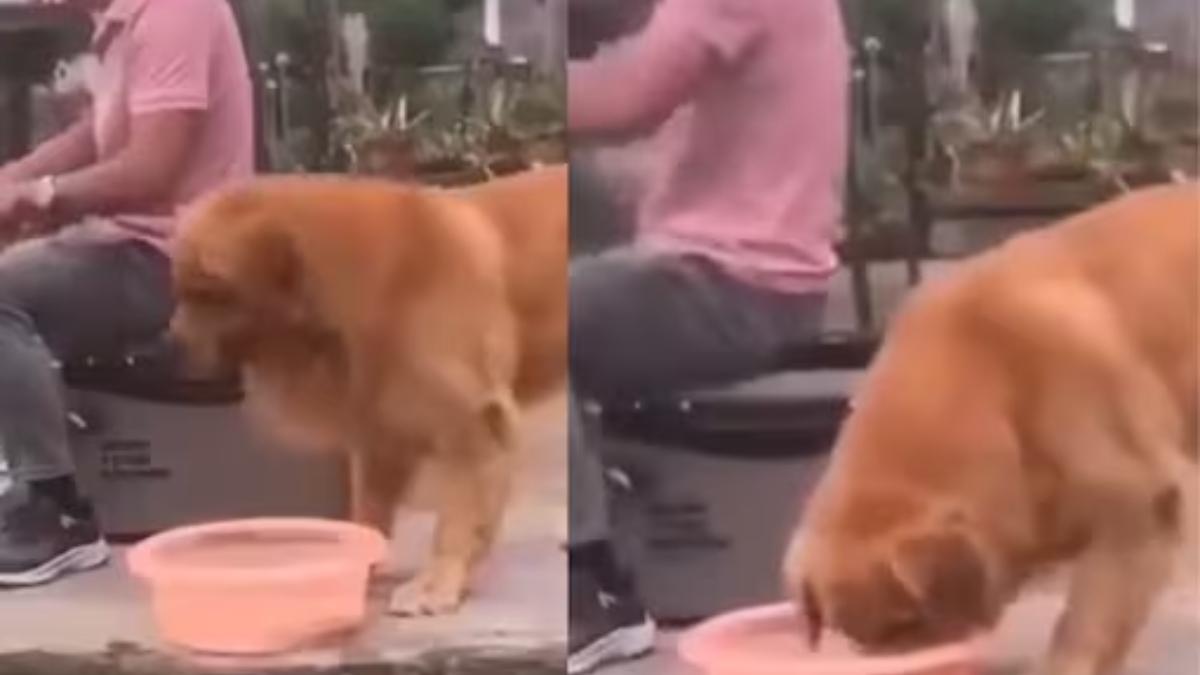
(39,543)
(605,627)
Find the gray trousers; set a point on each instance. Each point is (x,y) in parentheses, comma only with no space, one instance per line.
(63,299)
(642,326)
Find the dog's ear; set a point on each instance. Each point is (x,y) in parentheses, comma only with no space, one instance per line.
(275,274)
(209,311)
(274,261)
(882,604)
(946,571)
(814,615)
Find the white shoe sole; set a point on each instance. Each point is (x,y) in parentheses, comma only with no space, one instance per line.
(623,644)
(79,559)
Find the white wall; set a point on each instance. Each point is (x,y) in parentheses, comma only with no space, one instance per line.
(1174,22)
(535,29)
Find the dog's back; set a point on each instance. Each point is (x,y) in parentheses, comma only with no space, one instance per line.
(530,211)
(1032,399)
(1108,298)
(1120,277)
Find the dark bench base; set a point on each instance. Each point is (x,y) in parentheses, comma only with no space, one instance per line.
(156,449)
(152,372)
(713,482)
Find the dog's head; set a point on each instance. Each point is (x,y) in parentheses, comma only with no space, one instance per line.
(911,589)
(237,279)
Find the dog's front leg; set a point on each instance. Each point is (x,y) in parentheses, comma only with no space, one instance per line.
(1121,454)
(470,513)
(379,480)
(1132,543)
(1113,588)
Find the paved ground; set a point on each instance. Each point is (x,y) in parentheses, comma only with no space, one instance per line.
(1171,646)
(521,606)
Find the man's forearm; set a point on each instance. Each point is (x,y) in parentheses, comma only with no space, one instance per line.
(634,86)
(68,151)
(138,178)
(121,183)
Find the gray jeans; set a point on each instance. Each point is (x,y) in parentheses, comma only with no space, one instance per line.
(61,300)
(643,326)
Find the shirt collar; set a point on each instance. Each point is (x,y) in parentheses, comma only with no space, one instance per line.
(109,22)
(121,11)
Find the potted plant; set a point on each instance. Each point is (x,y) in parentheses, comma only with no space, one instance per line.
(1015,34)
(451,126)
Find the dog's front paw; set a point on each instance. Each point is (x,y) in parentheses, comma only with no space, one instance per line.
(430,593)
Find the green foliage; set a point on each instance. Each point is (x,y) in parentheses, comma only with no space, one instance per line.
(461,5)
(287,26)
(406,33)
(1032,27)
(515,112)
(902,25)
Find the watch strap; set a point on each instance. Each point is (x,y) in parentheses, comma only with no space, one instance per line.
(45,192)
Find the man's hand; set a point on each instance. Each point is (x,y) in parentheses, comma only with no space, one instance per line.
(21,211)
(8,177)
(70,150)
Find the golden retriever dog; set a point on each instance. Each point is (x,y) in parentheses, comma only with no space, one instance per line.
(1036,406)
(404,326)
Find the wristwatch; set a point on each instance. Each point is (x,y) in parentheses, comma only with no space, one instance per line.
(45,191)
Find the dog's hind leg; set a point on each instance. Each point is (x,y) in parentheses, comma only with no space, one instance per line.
(470,511)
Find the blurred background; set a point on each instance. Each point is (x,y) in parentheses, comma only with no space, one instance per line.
(447,91)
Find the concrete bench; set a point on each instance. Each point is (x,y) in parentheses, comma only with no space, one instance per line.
(708,484)
(157,449)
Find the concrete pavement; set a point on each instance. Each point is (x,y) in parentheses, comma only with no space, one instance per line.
(1170,646)
(98,623)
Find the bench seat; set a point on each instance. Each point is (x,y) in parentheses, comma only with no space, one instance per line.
(152,372)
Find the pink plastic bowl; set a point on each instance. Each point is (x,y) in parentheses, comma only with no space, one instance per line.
(258,586)
(768,640)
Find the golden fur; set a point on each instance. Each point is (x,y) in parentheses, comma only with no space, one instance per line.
(1038,405)
(401,325)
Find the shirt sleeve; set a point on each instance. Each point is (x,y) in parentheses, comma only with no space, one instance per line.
(171,55)
(636,85)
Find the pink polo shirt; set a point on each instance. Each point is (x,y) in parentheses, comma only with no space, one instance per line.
(752,165)
(161,55)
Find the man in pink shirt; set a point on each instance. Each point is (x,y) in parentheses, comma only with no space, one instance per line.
(734,244)
(171,117)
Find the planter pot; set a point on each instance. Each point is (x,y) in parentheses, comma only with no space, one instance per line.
(1048,198)
(451,178)
(448,173)
(508,166)
(995,164)
(889,242)
(698,547)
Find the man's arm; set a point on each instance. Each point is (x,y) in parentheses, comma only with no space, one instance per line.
(635,86)
(141,174)
(168,84)
(69,150)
